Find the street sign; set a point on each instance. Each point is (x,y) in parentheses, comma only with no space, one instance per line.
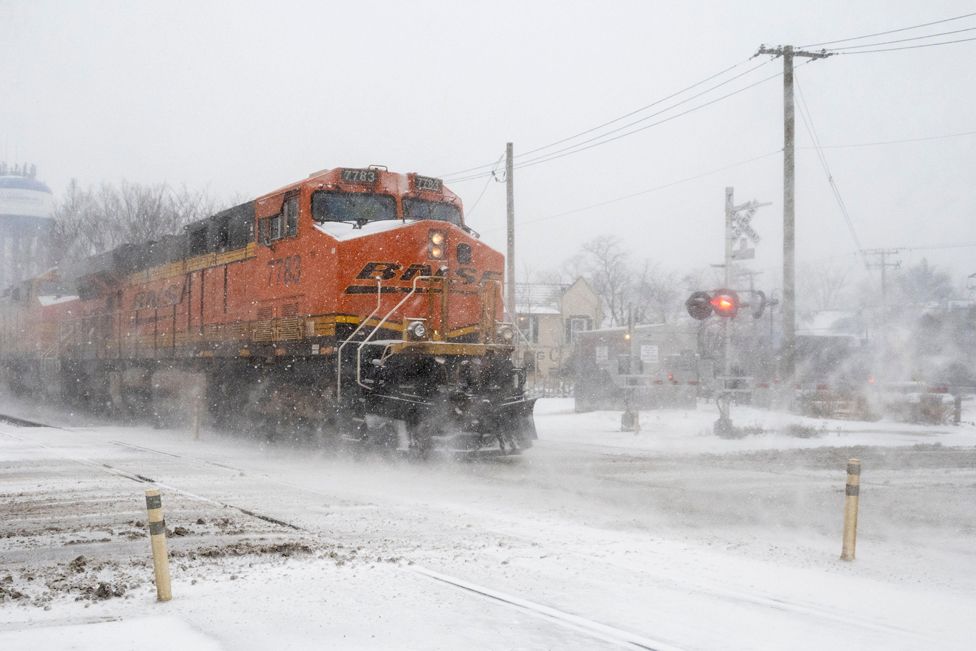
(649,354)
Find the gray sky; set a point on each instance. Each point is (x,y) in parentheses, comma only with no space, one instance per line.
(243,97)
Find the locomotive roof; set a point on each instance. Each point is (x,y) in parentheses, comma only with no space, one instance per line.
(333,176)
(130,257)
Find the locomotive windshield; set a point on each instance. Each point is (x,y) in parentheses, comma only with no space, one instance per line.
(359,207)
(437,210)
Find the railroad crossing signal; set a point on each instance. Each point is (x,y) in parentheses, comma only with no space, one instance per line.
(724,303)
(699,305)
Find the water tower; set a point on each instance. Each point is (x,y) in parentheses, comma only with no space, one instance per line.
(26,205)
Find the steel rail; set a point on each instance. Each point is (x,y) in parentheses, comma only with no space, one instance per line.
(573,622)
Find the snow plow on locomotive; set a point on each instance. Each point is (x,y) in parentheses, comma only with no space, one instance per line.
(355,303)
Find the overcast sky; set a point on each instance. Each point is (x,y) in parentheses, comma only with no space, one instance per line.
(242,97)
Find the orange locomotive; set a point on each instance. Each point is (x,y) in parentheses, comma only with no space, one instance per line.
(355,302)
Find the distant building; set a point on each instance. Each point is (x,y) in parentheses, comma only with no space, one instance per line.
(551,318)
(644,366)
(26,206)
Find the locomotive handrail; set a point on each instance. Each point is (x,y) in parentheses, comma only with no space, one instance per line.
(359,351)
(362,324)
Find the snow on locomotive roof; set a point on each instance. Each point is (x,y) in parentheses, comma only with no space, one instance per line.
(54,300)
(344,231)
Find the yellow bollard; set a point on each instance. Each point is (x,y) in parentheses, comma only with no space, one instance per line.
(157,537)
(850,509)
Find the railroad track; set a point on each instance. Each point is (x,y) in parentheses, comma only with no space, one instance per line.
(20,422)
(568,620)
(577,623)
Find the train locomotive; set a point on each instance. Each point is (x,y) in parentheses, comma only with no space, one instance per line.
(355,303)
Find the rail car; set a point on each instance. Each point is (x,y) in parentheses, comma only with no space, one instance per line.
(356,302)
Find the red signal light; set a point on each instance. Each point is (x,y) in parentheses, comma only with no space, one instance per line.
(725,302)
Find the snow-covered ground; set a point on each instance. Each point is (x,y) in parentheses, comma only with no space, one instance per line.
(670,539)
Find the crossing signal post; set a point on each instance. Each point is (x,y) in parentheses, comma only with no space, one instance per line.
(724,303)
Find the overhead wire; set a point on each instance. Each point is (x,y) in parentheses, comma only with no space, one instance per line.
(899,40)
(848,254)
(807,119)
(651,105)
(648,190)
(890,31)
(481,171)
(934,247)
(602,140)
(622,117)
(491,177)
(908,47)
(897,142)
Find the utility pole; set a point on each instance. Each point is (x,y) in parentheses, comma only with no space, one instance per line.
(510,258)
(881,262)
(789,218)
(729,214)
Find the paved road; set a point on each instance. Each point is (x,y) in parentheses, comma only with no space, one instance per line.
(628,539)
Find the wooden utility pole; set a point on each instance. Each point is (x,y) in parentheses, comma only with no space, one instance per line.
(789,219)
(883,264)
(510,257)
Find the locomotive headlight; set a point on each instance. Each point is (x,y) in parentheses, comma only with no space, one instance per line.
(435,244)
(506,333)
(417,329)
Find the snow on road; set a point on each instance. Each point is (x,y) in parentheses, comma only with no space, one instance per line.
(671,538)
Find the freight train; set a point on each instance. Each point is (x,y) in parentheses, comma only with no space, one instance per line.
(356,303)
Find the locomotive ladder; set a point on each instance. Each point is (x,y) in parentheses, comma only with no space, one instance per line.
(368,339)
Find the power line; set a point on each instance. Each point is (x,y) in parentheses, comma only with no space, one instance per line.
(808,122)
(900,40)
(936,247)
(910,47)
(622,117)
(890,31)
(651,105)
(492,177)
(602,140)
(897,142)
(842,256)
(649,190)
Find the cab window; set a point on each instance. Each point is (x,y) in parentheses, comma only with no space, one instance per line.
(284,224)
(356,207)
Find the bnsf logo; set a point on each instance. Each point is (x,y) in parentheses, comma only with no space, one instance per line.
(395,271)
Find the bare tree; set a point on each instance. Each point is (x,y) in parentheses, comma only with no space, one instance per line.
(92,221)
(656,294)
(822,285)
(75,209)
(606,264)
(924,283)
